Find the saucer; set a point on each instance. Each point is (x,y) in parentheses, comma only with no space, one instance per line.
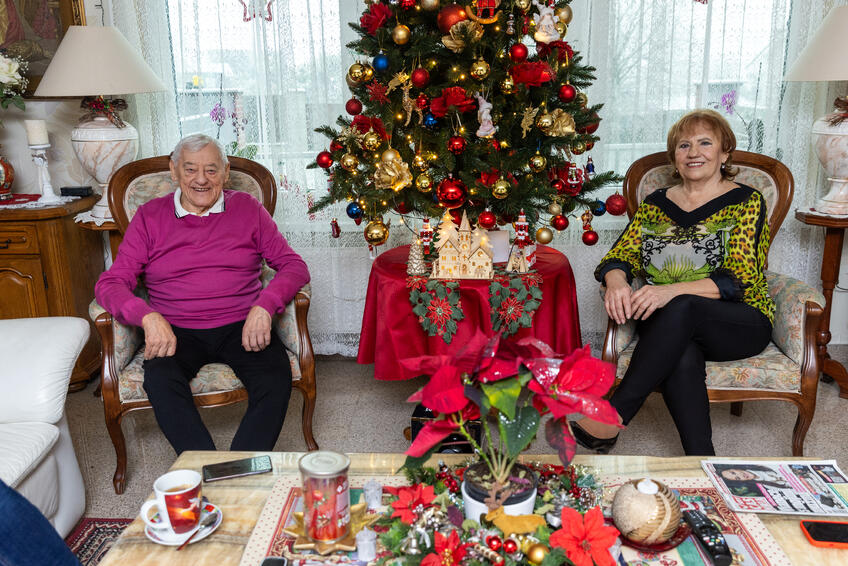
(166,537)
(681,534)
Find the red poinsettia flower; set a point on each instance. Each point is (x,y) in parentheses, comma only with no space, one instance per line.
(532,73)
(378,14)
(436,430)
(452,97)
(411,500)
(364,123)
(444,393)
(449,551)
(564,50)
(585,539)
(417,282)
(511,309)
(439,311)
(489,177)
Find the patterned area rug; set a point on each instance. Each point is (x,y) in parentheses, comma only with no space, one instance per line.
(92,538)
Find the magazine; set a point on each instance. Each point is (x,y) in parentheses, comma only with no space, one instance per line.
(800,487)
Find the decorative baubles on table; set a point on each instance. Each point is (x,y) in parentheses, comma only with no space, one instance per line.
(646,511)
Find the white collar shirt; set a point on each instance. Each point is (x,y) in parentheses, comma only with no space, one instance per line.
(181,212)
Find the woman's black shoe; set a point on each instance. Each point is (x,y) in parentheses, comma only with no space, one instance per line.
(586,440)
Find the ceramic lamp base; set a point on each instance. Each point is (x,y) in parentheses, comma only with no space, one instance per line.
(830,143)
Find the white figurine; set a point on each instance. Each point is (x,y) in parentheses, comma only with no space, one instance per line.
(546,31)
(484,116)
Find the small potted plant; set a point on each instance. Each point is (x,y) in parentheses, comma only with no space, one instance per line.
(510,386)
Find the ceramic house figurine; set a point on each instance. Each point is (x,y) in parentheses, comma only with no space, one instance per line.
(463,253)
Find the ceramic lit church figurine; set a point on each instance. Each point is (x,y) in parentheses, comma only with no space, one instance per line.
(463,253)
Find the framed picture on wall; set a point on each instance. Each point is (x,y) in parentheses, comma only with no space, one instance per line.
(32,30)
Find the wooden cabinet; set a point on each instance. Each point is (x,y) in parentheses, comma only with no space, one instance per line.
(48,267)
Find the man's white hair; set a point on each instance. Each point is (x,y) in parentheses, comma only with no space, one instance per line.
(196,142)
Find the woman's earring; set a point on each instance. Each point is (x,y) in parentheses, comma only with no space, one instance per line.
(723,166)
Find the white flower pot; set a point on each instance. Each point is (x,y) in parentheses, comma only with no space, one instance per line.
(474,507)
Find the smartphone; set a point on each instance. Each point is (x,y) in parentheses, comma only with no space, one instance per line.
(831,534)
(275,561)
(237,468)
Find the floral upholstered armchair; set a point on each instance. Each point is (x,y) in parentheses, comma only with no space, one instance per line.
(215,384)
(788,368)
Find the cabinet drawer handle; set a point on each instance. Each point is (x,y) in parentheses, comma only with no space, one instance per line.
(4,244)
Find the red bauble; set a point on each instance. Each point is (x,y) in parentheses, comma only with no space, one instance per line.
(353,107)
(456,215)
(451,193)
(403,207)
(358,220)
(407,4)
(423,101)
(335,146)
(456,144)
(589,145)
(507,218)
(567,93)
(592,127)
(559,185)
(518,52)
(420,77)
(450,15)
(324,160)
(494,542)
(559,222)
(510,546)
(616,204)
(590,237)
(487,220)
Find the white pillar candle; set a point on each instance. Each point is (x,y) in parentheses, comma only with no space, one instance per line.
(36,131)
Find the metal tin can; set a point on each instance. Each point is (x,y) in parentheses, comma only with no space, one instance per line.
(326,495)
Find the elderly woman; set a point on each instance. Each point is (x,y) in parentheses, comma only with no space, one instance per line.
(200,254)
(702,246)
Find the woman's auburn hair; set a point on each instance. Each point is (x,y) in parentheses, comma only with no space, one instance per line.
(714,121)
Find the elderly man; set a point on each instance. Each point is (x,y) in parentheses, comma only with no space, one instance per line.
(200,252)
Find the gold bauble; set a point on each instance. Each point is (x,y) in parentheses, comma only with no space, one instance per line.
(537,162)
(536,553)
(429,5)
(371,141)
(424,183)
(356,72)
(376,232)
(369,72)
(508,85)
(390,155)
(565,14)
(349,162)
(523,5)
(544,121)
(419,162)
(582,99)
(479,69)
(500,190)
(544,235)
(400,34)
(561,28)
(578,147)
(554,208)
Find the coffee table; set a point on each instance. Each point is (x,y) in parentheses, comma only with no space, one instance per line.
(242,500)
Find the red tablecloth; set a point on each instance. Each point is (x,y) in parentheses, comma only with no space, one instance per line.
(391,332)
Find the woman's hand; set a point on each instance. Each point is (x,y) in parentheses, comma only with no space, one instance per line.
(159,339)
(617,299)
(256,334)
(650,298)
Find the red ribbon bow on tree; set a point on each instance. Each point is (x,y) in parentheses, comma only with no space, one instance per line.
(564,51)
(365,123)
(377,16)
(452,96)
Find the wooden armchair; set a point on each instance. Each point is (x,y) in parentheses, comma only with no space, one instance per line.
(787,369)
(216,384)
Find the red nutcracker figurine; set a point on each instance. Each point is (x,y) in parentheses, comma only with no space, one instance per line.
(426,233)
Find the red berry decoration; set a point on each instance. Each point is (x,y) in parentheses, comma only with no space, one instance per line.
(423,101)
(450,15)
(518,52)
(353,107)
(559,185)
(456,145)
(494,542)
(324,160)
(567,93)
(451,193)
(559,222)
(420,77)
(487,220)
(510,546)
(616,204)
(590,237)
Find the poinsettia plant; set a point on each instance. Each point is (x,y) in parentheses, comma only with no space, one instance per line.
(509,385)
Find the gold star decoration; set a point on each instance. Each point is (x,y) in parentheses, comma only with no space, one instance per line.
(359,519)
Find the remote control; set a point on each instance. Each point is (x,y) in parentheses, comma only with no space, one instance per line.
(710,537)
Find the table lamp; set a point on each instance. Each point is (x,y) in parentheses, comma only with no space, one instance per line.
(93,62)
(824,59)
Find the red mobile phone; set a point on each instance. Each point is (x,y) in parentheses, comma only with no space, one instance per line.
(829,534)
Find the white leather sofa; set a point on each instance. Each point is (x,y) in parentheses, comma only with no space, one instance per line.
(36,453)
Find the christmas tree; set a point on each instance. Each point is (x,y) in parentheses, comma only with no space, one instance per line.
(452,110)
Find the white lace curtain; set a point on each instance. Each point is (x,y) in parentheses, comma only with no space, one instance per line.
(266,74)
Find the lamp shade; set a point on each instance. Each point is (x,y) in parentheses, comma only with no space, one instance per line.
(97,61)
(824,59)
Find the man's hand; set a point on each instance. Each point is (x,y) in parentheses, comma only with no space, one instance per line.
(617,299)
(256,334)
(652,297)
(159,339)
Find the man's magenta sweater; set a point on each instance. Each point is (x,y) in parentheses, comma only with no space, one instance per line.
(201,271)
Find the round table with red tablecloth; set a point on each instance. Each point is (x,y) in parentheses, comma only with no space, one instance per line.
(391,332)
